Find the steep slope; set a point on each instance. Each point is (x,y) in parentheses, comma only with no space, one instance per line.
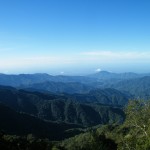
(139,88)
(107,96)
(13,122)
(110,96)
(59,107)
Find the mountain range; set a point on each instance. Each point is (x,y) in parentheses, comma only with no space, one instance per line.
(79,84)
(43,104)
(27,79)
(63,108)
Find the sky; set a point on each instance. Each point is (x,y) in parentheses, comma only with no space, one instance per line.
(74,36)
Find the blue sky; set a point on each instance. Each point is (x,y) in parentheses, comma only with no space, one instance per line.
(74,36)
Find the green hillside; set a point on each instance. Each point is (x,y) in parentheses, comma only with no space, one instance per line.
(61,108)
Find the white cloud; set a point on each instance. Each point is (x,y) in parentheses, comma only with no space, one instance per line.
(93,58)
(62,72)
(98,70)
(109,56)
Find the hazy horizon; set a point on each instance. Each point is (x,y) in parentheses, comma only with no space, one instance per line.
(75,74)
(75,37)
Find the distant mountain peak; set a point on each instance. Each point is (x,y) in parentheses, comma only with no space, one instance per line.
(103,72)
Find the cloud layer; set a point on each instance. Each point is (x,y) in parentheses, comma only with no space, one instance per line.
(94,58)
(103,56)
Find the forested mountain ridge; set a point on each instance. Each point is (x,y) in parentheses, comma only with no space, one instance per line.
(52,116)
(104,75)
(28,79)
(13,122)
(58,87)
(134,133)
(60,107)
(139,88)
(74,105)
(135,85)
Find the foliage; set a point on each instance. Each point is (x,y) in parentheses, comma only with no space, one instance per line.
(138,122)
(89,141)
(133,134)
(29,142)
